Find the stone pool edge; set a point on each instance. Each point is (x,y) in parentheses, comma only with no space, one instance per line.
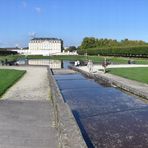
(114,82)
(69,134)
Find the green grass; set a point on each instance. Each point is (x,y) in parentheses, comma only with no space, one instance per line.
(116,60)
(137,74)
(8,78)
(11,57)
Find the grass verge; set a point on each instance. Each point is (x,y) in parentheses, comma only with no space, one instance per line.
(8,77)
(100,59)
(137,74)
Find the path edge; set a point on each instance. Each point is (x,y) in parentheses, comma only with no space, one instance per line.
(69,134)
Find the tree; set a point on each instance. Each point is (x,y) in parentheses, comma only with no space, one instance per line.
(88,42)
(71,49)
(91,42)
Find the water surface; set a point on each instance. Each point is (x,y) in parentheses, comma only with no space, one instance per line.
(108,117)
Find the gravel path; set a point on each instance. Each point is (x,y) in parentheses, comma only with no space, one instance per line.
(33,86)
(26,112)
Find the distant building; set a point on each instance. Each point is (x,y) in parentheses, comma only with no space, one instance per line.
(45,46)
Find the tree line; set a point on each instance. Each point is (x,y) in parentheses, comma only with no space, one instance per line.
(110,47)
(91,42)
(4,52)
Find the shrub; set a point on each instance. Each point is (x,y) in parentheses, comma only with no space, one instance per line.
(131,51)
(6,52)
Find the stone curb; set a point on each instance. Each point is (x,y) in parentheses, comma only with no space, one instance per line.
(121,85)
(69,134)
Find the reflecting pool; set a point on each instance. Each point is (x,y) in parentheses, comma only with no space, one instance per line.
(108,117)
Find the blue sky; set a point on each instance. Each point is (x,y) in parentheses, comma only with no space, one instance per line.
(72,20)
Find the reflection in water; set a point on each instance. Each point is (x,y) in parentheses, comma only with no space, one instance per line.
(54,64)
(109,117)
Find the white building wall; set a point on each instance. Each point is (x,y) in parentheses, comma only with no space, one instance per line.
(43,52)
(52,46)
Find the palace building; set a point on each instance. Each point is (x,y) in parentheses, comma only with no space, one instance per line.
(45,46)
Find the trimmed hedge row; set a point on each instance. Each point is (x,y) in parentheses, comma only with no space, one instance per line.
(6,52)
(138,51)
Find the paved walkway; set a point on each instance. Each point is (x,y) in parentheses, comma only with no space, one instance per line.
(99,67)
(26,112)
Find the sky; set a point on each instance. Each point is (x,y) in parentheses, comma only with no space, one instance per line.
(72,20)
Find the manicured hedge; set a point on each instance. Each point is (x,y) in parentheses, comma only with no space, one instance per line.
(138,51)
(6,52)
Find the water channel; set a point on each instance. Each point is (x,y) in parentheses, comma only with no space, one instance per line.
(107,116)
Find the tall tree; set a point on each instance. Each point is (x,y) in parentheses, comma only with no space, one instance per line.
(88,42)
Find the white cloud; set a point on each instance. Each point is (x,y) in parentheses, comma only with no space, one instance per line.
(24,4)
(17,45)
(32,34)
(6,44)
(38,9)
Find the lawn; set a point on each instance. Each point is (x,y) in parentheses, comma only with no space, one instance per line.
(8,78)
(99,59)
(137,74)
